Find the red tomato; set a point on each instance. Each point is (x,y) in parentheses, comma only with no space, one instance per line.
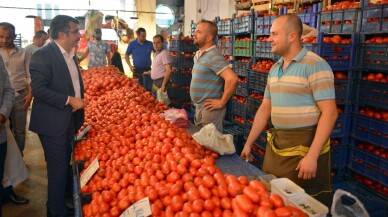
(244,203)
(276,200)
(177,203)
(252,194)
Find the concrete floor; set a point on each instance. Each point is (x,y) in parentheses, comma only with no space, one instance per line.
(35,187)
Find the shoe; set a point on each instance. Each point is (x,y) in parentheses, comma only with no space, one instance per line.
(15,199)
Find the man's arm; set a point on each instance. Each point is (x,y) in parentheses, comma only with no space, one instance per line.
(27,61)
(229,88)
(129,63)
(84,55)
(308,165)
(166,77)
(8,94)
(259,123)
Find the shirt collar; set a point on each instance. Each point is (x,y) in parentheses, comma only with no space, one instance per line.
(297,58)
(64,52)
(200,54)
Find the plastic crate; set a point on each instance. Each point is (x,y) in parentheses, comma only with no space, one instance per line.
(313,47)
(242,48)
(239,109)
(340,21)
(224,27)
(225,46)
(182,62)
(243,24)
(241,68)
(374,56)
(263,25)
(325,18)
(309,205)
(343,91)
(338,156)
(374,204)
(356,159)
(257,81)
(253,103)
(238,124)
(183,45)
(181,79)
(263,49)
(374,19)
(179,95)
(383,173)
(337,175)
(370,123)
(339,56)
(242,89)
(309,19)
(285,188)
(376,137)
(373,94)
(341,126)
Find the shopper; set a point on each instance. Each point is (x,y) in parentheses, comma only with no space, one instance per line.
(213,81)
(38,41)
(166,38)
(300,100)
(15,60)
(140,49)
(99,51)
(58,108)
(7,95)
(161,66)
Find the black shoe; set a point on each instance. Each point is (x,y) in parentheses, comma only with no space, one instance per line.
(15,199)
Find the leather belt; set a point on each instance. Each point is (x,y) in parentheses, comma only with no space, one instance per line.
(21,91)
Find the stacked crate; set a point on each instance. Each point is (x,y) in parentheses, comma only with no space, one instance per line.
(182,51)
(309,14)
(334,19)
(367,161)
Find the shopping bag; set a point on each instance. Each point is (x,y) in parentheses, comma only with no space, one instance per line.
(210,138)
(15,171)
(162,96)
(177,117)
(346,204)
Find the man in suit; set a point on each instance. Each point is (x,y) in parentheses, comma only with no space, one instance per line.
(58,108)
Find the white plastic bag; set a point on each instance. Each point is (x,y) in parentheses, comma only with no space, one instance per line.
(162,96)
(210,138)
(346,204)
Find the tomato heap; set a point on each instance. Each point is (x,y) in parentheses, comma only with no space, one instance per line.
(142,155)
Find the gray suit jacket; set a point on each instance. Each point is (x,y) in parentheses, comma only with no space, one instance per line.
(51,85)
(7,95)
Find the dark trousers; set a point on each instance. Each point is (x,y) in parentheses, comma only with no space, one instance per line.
(139,74)
(57,152)
(3,154)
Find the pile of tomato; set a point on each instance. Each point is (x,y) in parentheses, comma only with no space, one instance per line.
(142,155)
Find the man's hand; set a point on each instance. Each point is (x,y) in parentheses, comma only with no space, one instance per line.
(132,68)
(27,101)
(246,153)
(2,119)
(76,103)
(147,73)
(307,168)
(212,104)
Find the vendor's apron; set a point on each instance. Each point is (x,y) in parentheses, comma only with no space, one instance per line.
(285,149)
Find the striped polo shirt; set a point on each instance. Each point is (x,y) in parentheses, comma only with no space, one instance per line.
(295,91)
(206,82)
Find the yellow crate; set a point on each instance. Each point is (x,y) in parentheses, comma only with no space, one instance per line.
(266,7)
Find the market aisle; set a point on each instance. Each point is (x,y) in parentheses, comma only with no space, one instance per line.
(35,187)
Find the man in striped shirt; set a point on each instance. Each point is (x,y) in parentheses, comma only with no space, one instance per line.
(300,100)
(213,81)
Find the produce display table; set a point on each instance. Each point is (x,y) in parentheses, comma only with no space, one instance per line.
(229,164)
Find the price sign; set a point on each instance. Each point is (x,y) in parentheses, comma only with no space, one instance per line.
(92,168)
(83,132)
(141,208)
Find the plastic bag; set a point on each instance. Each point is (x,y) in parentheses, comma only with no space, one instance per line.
(346,204)
(162,96)
(176,116)
(210,138)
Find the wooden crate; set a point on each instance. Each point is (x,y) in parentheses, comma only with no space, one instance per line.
(242,6)
(260,2)
(265,7)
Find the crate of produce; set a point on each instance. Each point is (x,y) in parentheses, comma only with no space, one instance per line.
(254,99)
(239,121)
(375,19)
(325,18)
(285,188)
(346,21)
(343,91)
(263,49)
(182,61)
(337,175)
(183,45)
(309,19)
(373,94)
(261,5)
(180,93)
(225,45)
(238,137)
(241,68)
(241,89)
(339,51)
(313,47)
(263,25)
(239,108)
(374,56)
(378,138)
(181,79)
(224,26)
(383,173)
(374,204)
(341,126)
(370,123)
(242,47)
(338,156)
(257,81)
(243,23)
(356,159)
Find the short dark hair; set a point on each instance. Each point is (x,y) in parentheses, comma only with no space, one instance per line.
(140,30)
(7,26)
(159,36)
(213,29)
(39,34)
(60,23)
(294,23)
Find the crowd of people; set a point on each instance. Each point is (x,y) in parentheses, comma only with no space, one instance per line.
(299,98)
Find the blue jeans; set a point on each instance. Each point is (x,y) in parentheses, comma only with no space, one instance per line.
(19,118)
